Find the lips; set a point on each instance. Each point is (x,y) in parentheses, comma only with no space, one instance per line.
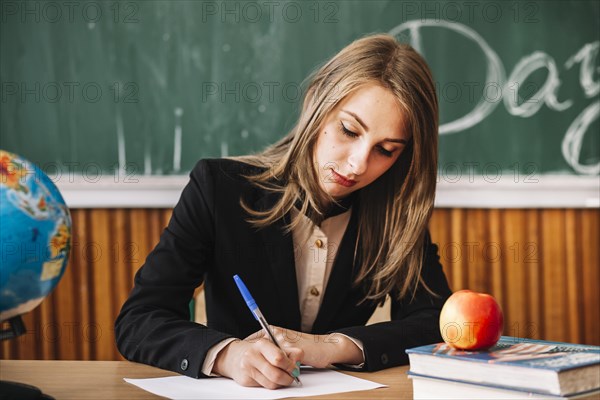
(342,180)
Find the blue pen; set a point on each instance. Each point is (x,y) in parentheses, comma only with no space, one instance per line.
(256,312)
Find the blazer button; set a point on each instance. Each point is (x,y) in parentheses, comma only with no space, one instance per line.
(184,364)
(384,359)
(319,243)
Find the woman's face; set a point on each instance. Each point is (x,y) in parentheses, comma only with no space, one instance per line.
(361,138)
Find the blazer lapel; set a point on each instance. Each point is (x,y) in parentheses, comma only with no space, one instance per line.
(340,280)
(279,248)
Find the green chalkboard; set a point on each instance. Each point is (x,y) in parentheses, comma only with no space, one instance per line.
(152,86)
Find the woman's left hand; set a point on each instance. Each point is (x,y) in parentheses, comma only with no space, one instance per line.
(319,350)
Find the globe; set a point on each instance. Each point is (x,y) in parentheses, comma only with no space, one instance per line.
(35,235)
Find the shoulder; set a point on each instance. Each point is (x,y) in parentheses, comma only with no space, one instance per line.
(222,170)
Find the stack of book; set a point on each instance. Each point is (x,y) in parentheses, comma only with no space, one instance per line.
(515,368)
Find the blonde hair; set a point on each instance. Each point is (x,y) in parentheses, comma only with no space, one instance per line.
(391,230)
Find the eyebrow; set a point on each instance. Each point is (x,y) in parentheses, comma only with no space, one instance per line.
(366,128)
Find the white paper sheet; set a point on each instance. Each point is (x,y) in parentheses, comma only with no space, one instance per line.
(314,382)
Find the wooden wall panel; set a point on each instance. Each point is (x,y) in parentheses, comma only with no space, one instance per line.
(534,305)
(495,228)
(102,269)
(573,276)
(510,249)
(554,273)
(122,247)
(590,256)
(82,321)
(543,266)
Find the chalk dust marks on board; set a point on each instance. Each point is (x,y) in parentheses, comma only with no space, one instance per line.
(217,120)
(158,72)
(161,78)
(261,66)
(120,141)
(177,140)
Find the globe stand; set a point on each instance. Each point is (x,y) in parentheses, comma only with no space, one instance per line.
(15,390)
(16,328)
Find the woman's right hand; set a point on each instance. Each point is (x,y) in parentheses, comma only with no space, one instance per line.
(258,363)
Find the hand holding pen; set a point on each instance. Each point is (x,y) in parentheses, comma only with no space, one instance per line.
(262,321)
(258,363)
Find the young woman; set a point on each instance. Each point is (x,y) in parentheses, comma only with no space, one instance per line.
(321,226)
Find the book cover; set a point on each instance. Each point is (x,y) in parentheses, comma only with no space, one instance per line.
(525,364)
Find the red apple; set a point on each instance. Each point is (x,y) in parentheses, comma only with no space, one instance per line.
(471,321)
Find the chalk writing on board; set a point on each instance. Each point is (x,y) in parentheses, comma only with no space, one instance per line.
(547,94)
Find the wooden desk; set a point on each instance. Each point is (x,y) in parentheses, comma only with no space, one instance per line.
(82,380)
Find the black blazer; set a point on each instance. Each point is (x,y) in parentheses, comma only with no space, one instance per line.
(208,240)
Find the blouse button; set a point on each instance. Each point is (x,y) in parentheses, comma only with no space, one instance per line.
(314,291)
(319,243)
